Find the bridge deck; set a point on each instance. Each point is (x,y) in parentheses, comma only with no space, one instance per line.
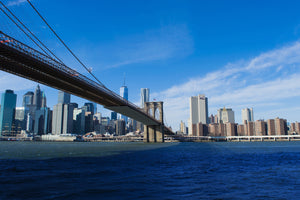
(21,60)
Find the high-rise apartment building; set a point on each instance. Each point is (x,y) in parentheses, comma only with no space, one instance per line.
(271,127)
(226,115)
(260,128)
(247,115)
(280,126)
(198,111)
(7,112)
(145,96)
(251,128)
(230,129)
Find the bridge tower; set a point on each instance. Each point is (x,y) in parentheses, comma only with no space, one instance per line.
(154,133)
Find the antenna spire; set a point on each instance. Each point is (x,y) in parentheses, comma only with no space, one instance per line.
(124,79)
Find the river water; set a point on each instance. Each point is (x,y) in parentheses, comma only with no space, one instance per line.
(224,170)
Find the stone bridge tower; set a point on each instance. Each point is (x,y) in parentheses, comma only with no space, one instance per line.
(154,133)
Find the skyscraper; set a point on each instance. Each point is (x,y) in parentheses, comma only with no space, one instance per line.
(247,115)
(198,111)
(79,121)
(113,116)
(57,119)
(226,115)
(145,95)
(64,97)
(27,99)
(124,94)
(44,100)
(89,107)
(7,111)
(37,98)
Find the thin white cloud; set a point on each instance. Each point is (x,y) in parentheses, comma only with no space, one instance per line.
(16,3)
(164,43)
(271,78)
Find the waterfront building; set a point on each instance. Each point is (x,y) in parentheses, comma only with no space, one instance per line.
(198,111)
(247,115)
(63,97)
(120,127)
(57,119)
(260,128)
(226,115)
(124,94)
(79,121)
(250,128)
(271,126)
(231,129)
(221,129)
(280,126)
(89,122)
(182,127)
(113,116)
(216,130)
(213,129)
(292,128)
(297,127)
(20,118)
(105,121)
(67,126)
(241,129)
(43,118)
(29,123)
(7,112)
(198,129)
(145,96)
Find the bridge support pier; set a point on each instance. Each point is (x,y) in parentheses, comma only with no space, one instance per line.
(154,133)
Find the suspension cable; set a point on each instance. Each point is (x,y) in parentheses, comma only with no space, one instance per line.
(31,32)
(89,71)
(24,31)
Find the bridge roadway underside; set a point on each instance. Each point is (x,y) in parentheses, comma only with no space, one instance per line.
(23,65)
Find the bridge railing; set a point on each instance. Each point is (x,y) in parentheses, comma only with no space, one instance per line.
(9,41)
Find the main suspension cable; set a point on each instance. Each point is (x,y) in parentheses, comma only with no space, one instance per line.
(89,71)
(31,33)
(24,31)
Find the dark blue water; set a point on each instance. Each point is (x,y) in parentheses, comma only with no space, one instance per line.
(257,170)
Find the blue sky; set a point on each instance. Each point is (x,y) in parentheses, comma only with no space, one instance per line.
(238,53)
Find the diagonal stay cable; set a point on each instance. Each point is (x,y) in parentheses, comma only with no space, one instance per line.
(31,32)
(65,44)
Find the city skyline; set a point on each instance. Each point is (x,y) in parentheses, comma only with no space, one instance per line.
(236,64)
